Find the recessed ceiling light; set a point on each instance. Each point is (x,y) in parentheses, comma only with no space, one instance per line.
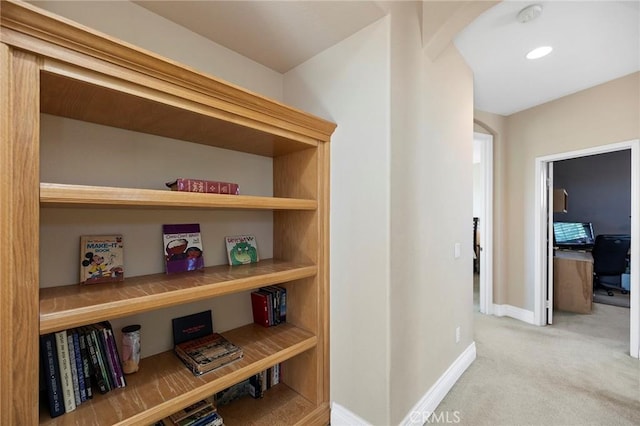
(539,52)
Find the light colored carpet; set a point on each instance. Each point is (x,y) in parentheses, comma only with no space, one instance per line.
(618,299)
(576,372)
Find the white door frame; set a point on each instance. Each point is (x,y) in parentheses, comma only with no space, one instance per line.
(549,254)
(540,235)
(486,222)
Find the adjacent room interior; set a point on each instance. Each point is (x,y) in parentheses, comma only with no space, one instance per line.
(592,231)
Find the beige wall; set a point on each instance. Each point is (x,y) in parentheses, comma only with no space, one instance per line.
(601,115)
(405,140)
(431,210)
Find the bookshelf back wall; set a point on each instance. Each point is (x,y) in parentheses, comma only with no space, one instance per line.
(77,152)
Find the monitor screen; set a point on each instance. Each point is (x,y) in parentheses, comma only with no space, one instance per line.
(573,234)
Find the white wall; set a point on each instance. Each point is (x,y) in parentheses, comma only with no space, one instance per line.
(136,25)
(349,84)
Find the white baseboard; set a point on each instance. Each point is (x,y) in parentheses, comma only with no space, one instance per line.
(422,411)
(514,312)
(340,416)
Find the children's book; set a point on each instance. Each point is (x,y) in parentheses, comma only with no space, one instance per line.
(182,247)
(101,258)
(242,249)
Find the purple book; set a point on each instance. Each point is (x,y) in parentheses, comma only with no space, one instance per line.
(182,247)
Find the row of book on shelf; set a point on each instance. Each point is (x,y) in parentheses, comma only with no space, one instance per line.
(78,360)
(102,256)
(75,360)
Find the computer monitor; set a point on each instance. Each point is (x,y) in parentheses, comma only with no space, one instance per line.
(573,235)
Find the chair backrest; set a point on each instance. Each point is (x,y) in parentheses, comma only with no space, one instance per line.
(610,254)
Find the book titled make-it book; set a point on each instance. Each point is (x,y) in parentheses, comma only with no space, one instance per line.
(101,258)
(182,247)
(241,249)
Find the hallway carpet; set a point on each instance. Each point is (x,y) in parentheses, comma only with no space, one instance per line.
(576,372)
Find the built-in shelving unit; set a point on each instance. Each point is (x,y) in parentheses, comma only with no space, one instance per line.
(51,65)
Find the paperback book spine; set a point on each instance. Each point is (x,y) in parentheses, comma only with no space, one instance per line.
(100,355)
(86,362)
(79,367)
(95,363)
(66,380)
(113,350)
(74,368)
(52,374)
(108,356)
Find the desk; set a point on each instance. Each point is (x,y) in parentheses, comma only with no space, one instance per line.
(573,281)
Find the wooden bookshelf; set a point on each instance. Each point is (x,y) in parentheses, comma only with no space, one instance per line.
(51,65)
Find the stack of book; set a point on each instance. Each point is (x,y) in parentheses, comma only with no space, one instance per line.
(199,348)
(202,413)
(207,353)
(77,360)
(269,305)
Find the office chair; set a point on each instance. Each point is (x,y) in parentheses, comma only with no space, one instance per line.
(610,261)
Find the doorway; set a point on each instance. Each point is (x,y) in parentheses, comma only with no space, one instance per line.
(543,304)
(483,211)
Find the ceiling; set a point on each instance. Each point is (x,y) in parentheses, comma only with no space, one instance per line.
(277,34)
(593,41)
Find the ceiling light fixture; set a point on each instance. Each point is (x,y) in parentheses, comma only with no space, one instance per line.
(529,13)
(539,52)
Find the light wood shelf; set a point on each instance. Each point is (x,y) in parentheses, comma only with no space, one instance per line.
(64,195)
(74,305)
(280,406)
(163,383)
